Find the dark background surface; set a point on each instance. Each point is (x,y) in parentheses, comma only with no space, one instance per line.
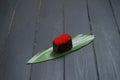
(27,26)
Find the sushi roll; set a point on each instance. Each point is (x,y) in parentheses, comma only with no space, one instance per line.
(62,43)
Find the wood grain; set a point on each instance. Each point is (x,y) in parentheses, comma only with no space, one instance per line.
(6,13)
(107,42)
(49,25)
(115,6)
(19,47)
(28,26)
(79,65)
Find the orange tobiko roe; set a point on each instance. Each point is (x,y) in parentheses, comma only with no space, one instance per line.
(62,39)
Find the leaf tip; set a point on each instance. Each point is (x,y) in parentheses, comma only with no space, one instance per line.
(93,36)
(30,61)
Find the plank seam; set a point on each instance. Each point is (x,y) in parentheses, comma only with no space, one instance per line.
(63,22)
(63,16)
(113,13)
(35,37)
(93,46)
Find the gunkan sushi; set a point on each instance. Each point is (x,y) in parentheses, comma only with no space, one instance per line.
(62,43)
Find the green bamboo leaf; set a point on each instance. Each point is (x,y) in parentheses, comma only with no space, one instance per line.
(48,54)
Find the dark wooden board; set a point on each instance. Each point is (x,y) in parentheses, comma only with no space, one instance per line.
(28,26)
(7,8)
(19,47)
(107,42)
(49,25)
(79,65)
(6,14)
(115,5)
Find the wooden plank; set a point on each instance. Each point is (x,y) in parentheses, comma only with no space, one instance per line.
(115,5)
(20,42)
(79,65)
(107,42)
(49,25)
(6,13)
(7,8)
